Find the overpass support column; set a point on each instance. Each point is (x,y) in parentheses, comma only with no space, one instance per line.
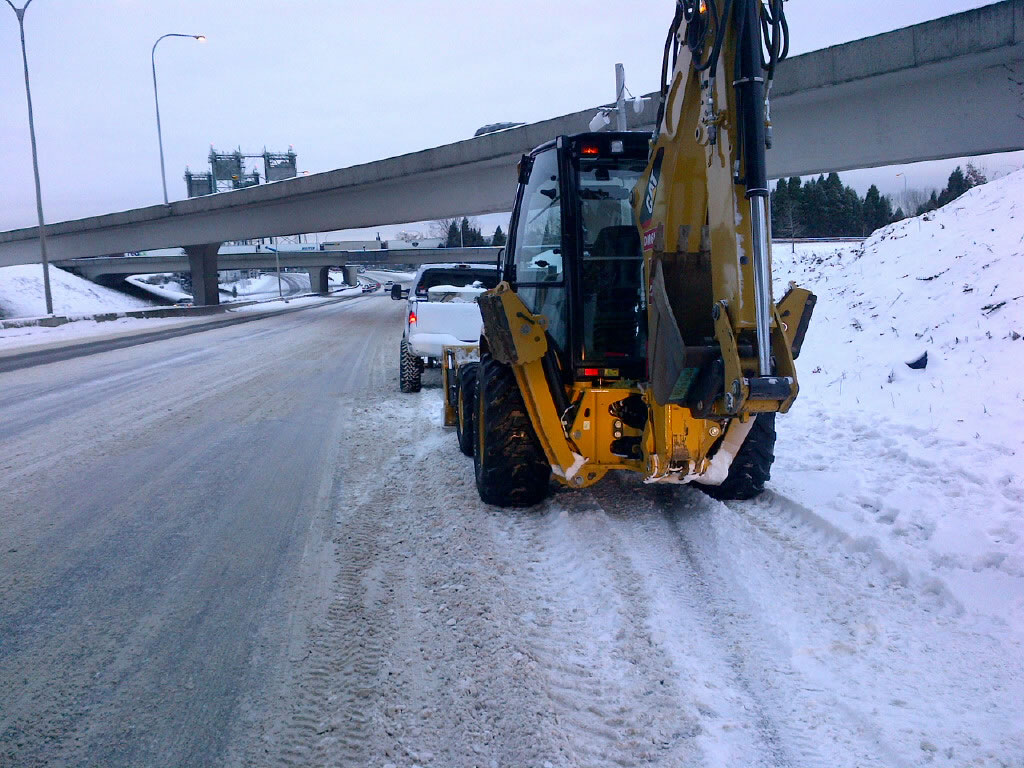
(351,275)
(318,279)
(202,260)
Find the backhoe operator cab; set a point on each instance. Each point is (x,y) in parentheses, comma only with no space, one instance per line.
(574,252)
(563,386)
(574,260)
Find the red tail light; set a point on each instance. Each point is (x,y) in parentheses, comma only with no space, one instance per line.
(591,372)
(590,149)
(412,317)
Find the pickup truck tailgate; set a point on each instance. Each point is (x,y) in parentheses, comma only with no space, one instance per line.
(459,319)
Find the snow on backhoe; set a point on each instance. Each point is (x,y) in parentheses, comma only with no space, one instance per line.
(634,327)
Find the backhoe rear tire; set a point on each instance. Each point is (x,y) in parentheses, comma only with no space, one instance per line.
(465,406)
(511,468)
(751,468)
(410,370)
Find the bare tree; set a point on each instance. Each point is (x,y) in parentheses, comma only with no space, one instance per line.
(912,199)
(440,227)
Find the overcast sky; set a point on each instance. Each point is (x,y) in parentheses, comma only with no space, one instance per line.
(343,82)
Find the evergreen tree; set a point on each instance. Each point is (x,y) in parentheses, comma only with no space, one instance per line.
(930,205)
(877,210)
(813,209)
(955,187)
(852,214)
(975,176)
(958,183)
(825,207)
(499,237)
(779,198)
(835,213)
(470,234)
(452,240)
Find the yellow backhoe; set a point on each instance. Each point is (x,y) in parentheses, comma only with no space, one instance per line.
(634,327)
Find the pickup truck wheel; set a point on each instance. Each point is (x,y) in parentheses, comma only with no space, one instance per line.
(751,468)
(511,468)
(410,370)
(465,405)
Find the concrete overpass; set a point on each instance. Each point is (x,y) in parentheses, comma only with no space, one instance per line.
(109,269)
(945,88)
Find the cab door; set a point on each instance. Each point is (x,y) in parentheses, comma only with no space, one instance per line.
(535,260)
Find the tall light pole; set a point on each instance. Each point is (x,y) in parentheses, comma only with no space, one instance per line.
(20,13)
(277,258)
(156,99)
(906,200)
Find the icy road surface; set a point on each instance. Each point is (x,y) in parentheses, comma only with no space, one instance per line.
(247,548)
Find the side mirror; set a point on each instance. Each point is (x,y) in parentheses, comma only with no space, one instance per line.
(396,292)
(524,168)
(500,261)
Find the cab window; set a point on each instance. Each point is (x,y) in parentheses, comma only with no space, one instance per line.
(614,312)
(538,249)
(537,257)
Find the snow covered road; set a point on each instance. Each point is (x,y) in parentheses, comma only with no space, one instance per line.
(627,625)
(245,547)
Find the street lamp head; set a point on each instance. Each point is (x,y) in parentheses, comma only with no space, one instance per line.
(200,38)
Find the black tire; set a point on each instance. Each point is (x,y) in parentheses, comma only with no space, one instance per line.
(751,468)
(511,468)
(410,370)
(465,405)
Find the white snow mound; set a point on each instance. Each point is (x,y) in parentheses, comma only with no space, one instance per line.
(921,466)
(22,295)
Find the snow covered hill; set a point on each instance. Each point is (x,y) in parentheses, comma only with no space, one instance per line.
(921,467)
(21,294)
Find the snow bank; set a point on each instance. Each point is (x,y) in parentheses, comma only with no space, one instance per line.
(169,289)
(21,294)
(265,284)
(17,338)
(921,466)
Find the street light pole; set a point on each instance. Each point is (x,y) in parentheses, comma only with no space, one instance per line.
(905,202)
(156,100)
(20,13)
(277,258)
(906,199)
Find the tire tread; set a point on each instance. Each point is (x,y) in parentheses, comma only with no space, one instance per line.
(511,468)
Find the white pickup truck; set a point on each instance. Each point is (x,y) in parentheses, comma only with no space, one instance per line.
(442,312)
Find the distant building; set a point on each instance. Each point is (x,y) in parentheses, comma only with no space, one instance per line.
(228,171)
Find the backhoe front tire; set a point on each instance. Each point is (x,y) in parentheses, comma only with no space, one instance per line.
(410,369)
(511,468)
(466,406)
(751,468)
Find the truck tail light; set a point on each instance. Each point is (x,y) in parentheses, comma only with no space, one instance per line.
(412,317)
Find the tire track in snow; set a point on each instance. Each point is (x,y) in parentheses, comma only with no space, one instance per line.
(329,720)
(840,644)
(611,688)
(934,683)
(327,717)
(684,619)
(723,637)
